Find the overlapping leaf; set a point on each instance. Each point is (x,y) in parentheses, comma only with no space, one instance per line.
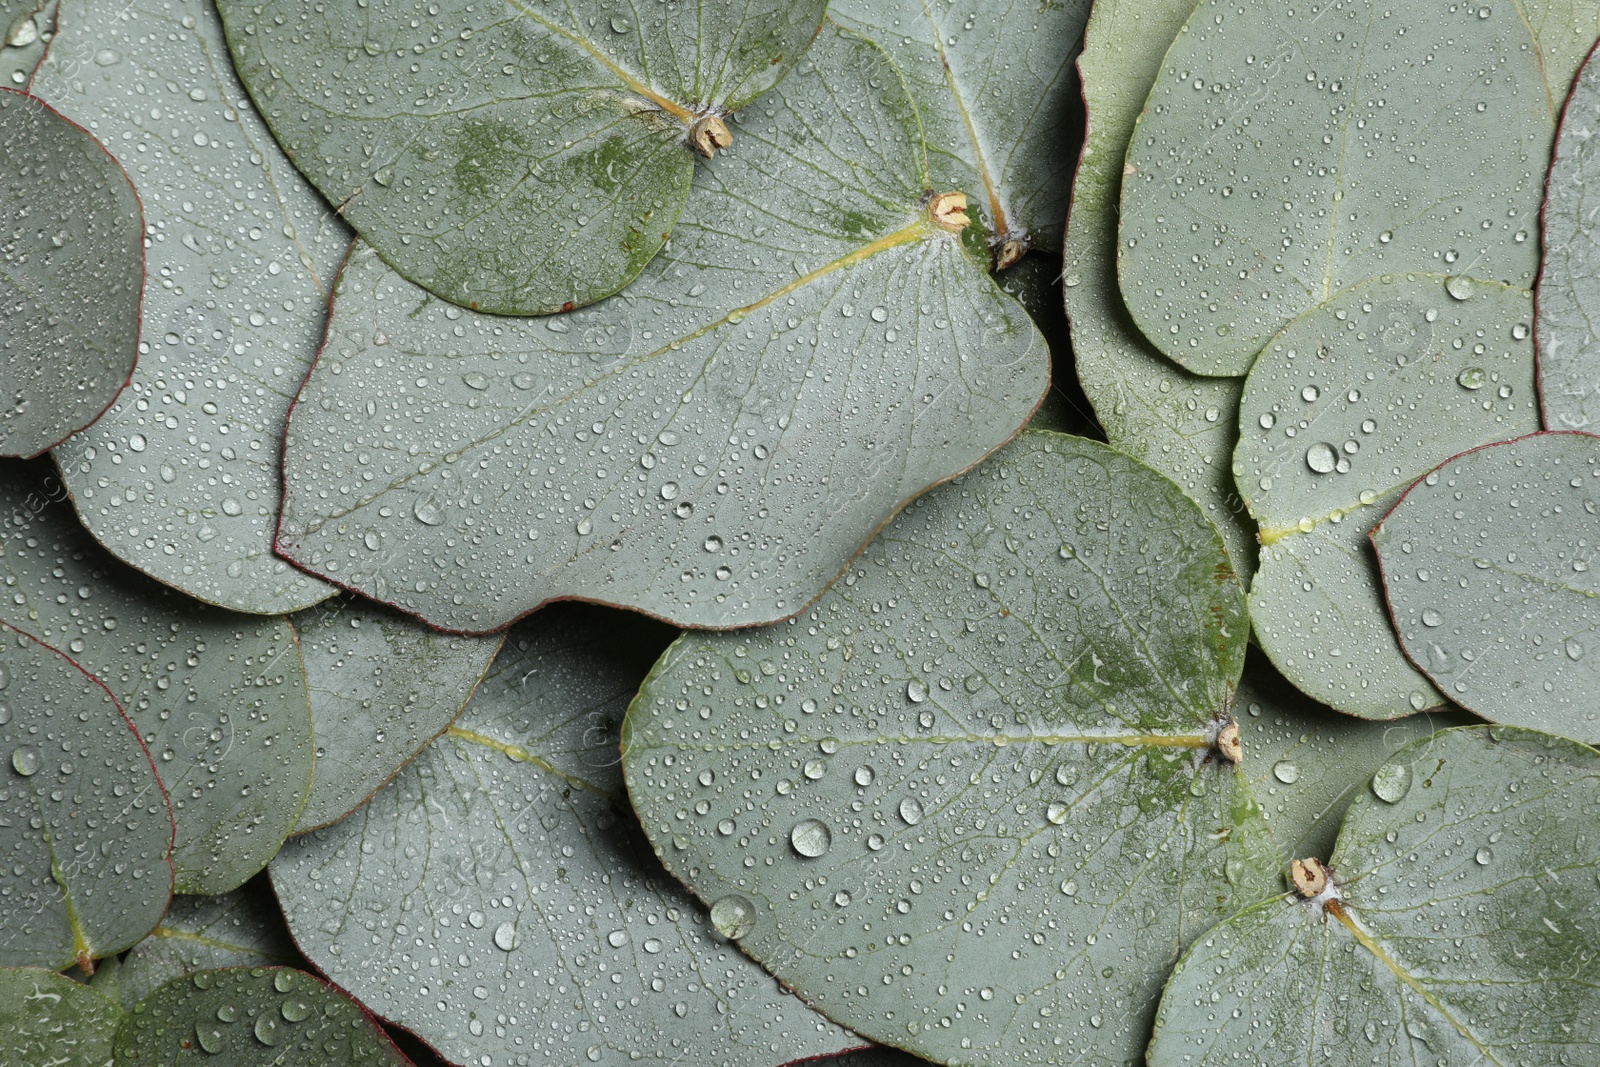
(1489,568)
(1457,926)
(47,1018)
(519,158)
(502,871)
(973,803)
(71,271)
(710,446)
(219,698)
(181,477)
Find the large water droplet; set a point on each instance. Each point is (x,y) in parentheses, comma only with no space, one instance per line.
(427,512)
(1391,783)
(26,760)
(811,838)
(296,1009)
(1472,378)
(1431,617)
(1057,812)
(733,916)
(1460,288)
(505,937)
(911,811)
(916,692)
(1322,458)
(864,776)
(1574,649)
(1286,772)
(269,1031)
(210,1038)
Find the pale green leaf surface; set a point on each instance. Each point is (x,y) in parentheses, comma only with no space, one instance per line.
(219,698)
(998,96)
(504,866)
(25,28)
(968,804)
(1460,932)
(252,1017)
(382,686)
(710,446)
(1349,405)
(71,270)
(48,1019)
(181,476)
(1287,153)
(1488,564)
(510,156)
(84,826)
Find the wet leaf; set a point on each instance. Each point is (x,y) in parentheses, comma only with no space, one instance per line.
(709,447)
(1457,929)
(505,863)
(181,476)
(998,95)
(980,779)
(1349,405)
(511,157)
(1486,566)
(25,29)
(47,1018)
(219,698)
(252,1017)
(84,825)
(71,270)
(382,686)
(1286,154)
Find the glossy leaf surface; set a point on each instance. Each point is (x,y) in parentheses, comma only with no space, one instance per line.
(181,477)
(1343,410)
(709,447)
(508,851)
(975,783)
(1487,567)
(219,698)
(47,1018)
(71,270)
(517,158)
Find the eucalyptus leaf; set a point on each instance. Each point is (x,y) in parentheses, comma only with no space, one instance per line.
(181,477)
(48,1019)
(252,1017)
(84,824)
(1183,425)
(504,868)
(998,95)
(1456,927)
(1486,564)
(1288,153)
(218,698)
(382,686)
(518,158)
(1344,409)
(974,802)
(71,270)
(25,30)
(711,446)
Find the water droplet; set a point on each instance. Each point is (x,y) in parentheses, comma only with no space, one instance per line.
(713,543)
(1268,421)
(916,692)
(427,512)
(1391,782)
(1431,617)
(617,938)
(505,937)
(1472,378)
(911,811)
(1574,649)
(669,491)
(1322,458)
(880,314)
(1069,888)
(733,916)
(1483,857)
(864,776)
(27,760)
(5,712)
(811,838)
(1310,394)
(296,1009)
(842,899)
(210,1038)
(1057,812)
(1460,288)
(269,1031)
(1286,772)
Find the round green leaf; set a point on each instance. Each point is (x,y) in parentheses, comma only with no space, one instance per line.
(181,476)
(971,804)
(711,446)
(1459,927)
(219,699)
(382,686)
(252,1017)
(1349,405)
(504,865)
(48,1019)
(1287,153)
(1486,564)
(71,270)
(514,158)
(998,95)
(85,829)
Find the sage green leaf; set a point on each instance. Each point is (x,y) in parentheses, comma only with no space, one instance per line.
(998,95)
(181,477)
(710,446)
(1286,154)
(1344,409)
(504,865)
(972,803)
(1457,925)
(71,270)
(382,686)
(1486,564)
(84,826)
(1183,425)
(1035,283)
(46,1018)
(510,157)
(218,698)
(252,1017)
(25,29)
